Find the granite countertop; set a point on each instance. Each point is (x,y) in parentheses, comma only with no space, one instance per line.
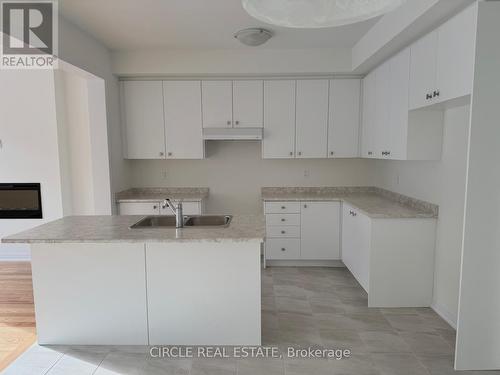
(159,194)
(372,201)
(80,229)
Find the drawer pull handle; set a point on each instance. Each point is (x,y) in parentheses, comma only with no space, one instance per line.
(283,249)
(283,219)
(283,207)
(283,232)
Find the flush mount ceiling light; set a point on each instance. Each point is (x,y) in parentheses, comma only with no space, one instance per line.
(317,13)
(254,36)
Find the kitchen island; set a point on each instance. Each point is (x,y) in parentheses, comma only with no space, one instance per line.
(98,282)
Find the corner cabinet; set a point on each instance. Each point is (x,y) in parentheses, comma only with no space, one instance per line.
(392,258)
(162,120)
(308,231)
(344,118)
(313,118)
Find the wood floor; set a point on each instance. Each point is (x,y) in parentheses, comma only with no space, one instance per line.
(17,314)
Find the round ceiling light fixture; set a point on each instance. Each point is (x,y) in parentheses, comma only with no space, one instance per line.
(317,13)
(253,36)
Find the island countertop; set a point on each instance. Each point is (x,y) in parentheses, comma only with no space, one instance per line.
(93,229)
(374,202)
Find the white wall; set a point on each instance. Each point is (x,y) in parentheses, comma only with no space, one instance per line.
(80,49)
(234,171)
(29,152)
(442,183)
(83,142)
(249,61)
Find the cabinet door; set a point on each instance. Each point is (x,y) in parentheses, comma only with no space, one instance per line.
(142,111)
(395,136)
(183,129)
(343,121)
(368,117)
(456,50)
(248,104)
(423,69)
(217,99)
(356,239)
(279,119)
(320,231)
(383,104)
(312,118)
(139,208)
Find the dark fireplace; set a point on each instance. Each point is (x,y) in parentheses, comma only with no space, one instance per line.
(20,201)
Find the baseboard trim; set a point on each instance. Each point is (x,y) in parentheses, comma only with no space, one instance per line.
(304,263)
(450,318)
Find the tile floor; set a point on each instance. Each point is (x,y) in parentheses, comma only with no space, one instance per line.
(301,307)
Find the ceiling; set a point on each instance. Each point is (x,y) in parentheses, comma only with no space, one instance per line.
(191,24)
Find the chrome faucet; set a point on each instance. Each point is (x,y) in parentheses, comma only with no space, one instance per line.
(177,210)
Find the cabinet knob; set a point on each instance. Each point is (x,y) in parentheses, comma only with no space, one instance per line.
(169,154)
(283,232)
(428,96)
(370,153)
(283,219)
(300,153)
(283,207)
(155,207)
(162,154)
(305,206)
(229,122)
(435,93)
(291,153)
(332,153)
(237,122)
(283,249)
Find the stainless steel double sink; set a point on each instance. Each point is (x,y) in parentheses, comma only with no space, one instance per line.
(220,221)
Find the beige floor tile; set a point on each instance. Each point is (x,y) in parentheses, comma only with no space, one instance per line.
(426,343)
(343,339)
(398,364)
(384,342)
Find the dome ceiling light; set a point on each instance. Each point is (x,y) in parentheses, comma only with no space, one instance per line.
(253,36)
(317,13)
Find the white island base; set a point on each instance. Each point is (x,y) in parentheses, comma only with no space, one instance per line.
(165,293)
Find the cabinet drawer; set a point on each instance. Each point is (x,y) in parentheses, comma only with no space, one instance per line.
(283,248)
(282,207)
(283,219)
(283,231)
(139,208)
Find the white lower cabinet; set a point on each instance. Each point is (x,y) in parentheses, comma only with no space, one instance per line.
(356,234)
(320,231)
(302,230)
(155,208)
(392,258)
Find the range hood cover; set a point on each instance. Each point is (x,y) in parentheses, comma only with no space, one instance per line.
(232,134)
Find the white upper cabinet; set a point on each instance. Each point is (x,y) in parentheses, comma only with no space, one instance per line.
(423,71)
(368,116)
(279,119)
(248,104)
(142,116)
(455,63)
(383,107)
(217,99)
(394,141)
(442,62)
(344,118)
(183,128)
(311,118)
